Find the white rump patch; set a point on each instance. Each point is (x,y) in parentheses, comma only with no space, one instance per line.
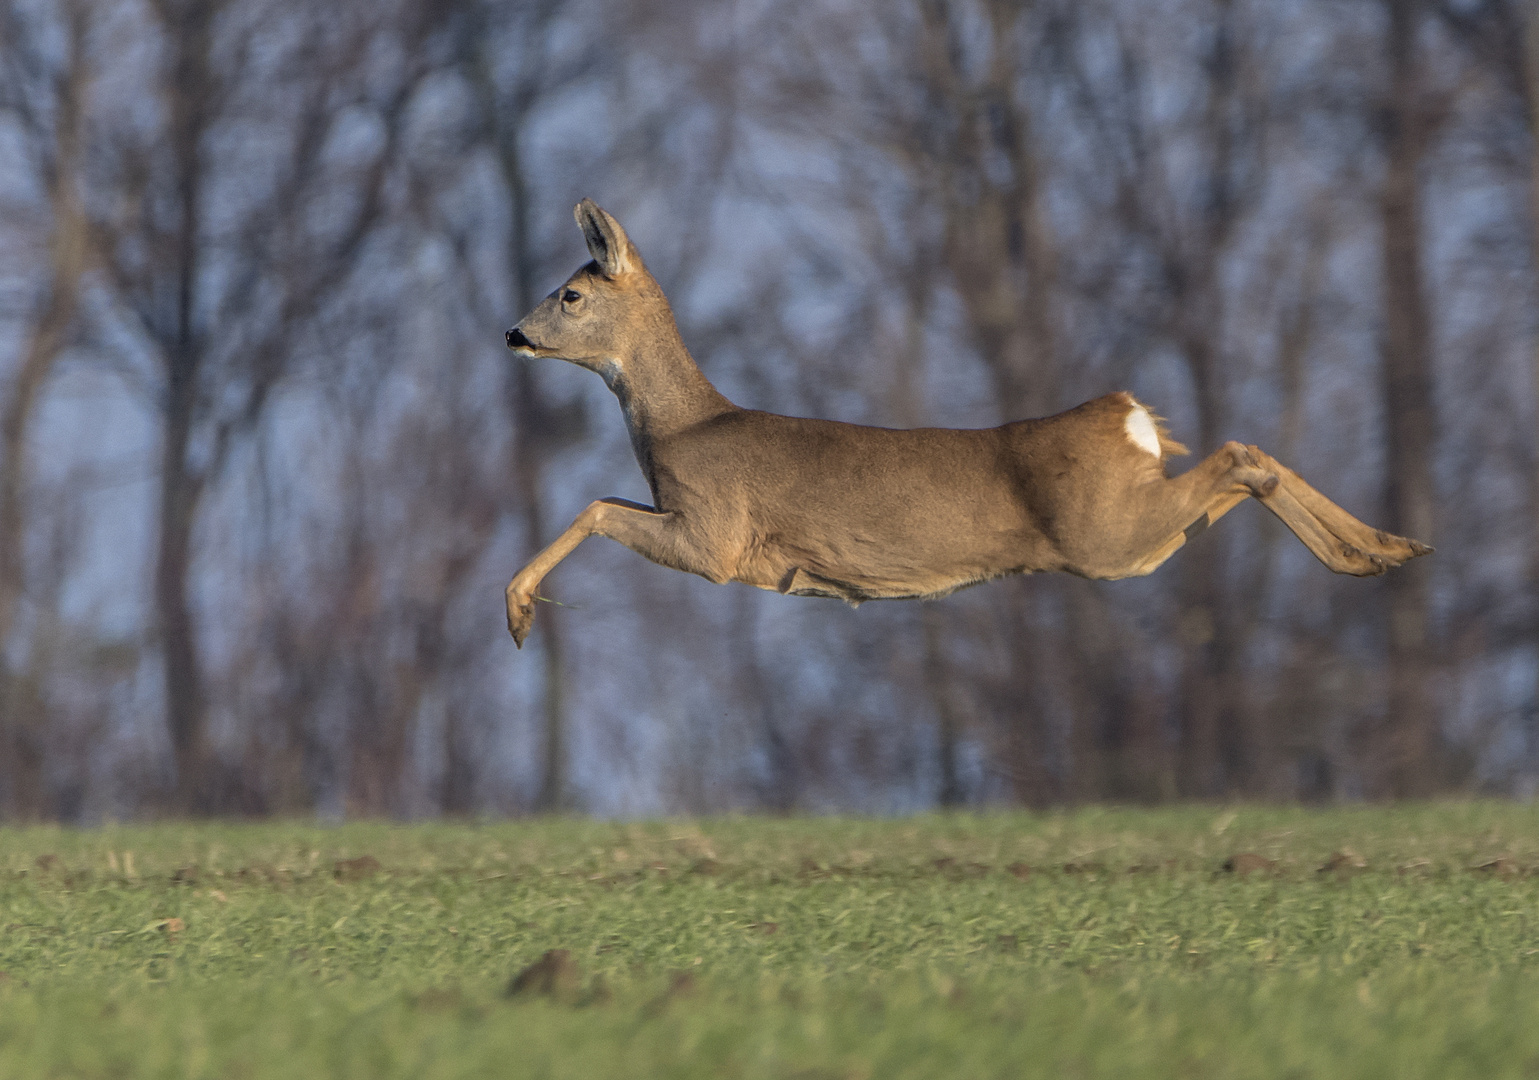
(1141,430)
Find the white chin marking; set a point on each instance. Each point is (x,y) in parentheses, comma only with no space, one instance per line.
(609,370)
(1141,431)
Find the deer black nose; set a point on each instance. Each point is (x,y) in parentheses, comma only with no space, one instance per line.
(517,340)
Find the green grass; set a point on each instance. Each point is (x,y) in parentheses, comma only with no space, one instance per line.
(1094,943)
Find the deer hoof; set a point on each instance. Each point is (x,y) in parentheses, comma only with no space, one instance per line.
(520,616)
(519,624)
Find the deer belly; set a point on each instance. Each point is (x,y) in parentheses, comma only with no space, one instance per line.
(858,569)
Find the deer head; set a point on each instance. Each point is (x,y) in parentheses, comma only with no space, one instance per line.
(599,315)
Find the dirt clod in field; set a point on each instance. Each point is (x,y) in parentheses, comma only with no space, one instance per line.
(767,928)
(185,875)
(170,927)
(554,975)
(1007,943)
(47,863)
(1501,866)
(705,866)
(1245,863)
(1020,870)
(1346,861)
(364,866)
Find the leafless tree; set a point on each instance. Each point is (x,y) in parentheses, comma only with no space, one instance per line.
(209,221)
(45,96)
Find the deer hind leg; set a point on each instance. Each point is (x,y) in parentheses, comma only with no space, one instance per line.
(1236,472)
(638,527)
(1340,541)
(1177,510)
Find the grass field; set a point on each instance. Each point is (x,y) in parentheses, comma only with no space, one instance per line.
(1086,944)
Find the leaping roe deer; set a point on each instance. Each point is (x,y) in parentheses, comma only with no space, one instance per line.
(822,508)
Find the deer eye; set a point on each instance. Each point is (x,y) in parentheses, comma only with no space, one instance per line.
(571,296)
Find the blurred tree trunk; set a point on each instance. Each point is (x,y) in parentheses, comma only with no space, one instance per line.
(1403,753)
(999,245)
(193,89)
(56,135)
(1212,751)
(536,433)
(1530,86)
(780,783)
(939,679)
(539,428)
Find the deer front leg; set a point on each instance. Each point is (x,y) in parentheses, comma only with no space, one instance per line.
(638,527)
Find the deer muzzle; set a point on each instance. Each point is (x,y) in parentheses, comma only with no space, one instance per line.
(517,340)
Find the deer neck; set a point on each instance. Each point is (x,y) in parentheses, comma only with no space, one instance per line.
(662,392)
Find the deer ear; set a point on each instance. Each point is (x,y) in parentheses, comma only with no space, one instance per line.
(607,242)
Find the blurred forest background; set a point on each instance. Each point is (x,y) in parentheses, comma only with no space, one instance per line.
(266,465)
